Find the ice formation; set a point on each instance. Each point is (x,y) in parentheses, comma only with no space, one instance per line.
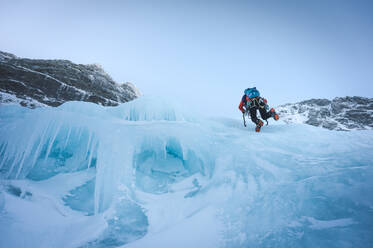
(145,174)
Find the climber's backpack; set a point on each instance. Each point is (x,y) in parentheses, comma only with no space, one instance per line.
(252,92)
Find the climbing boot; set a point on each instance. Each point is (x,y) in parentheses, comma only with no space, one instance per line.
(274,114)
(258,126)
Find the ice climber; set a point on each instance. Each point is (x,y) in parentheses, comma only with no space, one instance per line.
(251,102)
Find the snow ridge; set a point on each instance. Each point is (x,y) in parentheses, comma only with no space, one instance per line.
(341,114)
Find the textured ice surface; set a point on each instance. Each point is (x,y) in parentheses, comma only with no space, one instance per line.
(145,174)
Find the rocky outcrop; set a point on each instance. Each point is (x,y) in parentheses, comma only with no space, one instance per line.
(35,82)
(341,113)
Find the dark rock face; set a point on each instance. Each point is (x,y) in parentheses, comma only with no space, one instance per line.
(34,82)
(342,113)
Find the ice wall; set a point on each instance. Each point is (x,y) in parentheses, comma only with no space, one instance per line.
(42,143)
(127,146)
(39,144)
(146,170)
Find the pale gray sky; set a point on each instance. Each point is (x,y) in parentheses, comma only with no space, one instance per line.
(205,53)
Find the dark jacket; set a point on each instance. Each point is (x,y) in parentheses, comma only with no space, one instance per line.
(250,102)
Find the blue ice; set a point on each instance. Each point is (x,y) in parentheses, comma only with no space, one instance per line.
(126,175)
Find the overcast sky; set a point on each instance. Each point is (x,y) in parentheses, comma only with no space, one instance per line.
(205,53)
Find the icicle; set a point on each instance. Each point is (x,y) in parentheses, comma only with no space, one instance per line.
(93,146)
(52,141)
(26,154)
(20,165)
(13,164)
(3,151)
(2,148)
(164,152)
(67,138)
(97,190)
(80,131)
(38,149)
(184,152)
(89,142)
(5,158)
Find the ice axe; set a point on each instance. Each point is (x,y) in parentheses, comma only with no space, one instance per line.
(244,120)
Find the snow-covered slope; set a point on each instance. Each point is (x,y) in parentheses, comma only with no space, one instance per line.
(342,113)
(34,82)
(144,174)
